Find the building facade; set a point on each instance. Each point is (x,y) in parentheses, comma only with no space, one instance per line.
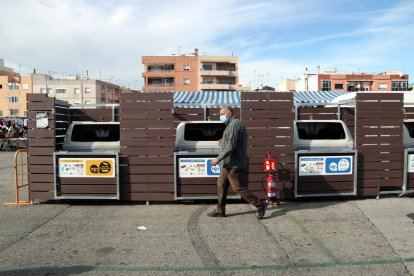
(76,90)
(190,73)
(387,81)
(13,92)
(287,85)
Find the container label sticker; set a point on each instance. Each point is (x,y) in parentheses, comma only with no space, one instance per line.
(410,163)
(41,120)
(86,167)
(325,165)
(197,167)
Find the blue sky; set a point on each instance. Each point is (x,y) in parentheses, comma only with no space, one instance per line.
(273,39)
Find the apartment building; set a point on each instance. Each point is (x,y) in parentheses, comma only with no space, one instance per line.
(13,92)
(76,89)
(287,85)
(332,81)
(190,73)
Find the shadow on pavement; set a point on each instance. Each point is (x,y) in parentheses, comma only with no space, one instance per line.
(37,271)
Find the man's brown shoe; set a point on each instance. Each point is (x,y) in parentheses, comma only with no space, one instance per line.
(261,210)
(216,214)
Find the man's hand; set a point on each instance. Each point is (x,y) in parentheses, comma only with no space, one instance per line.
(214,162)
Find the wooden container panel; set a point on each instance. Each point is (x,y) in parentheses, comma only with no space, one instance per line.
(199,189)
(85,190)
(39,186)
(41,133)
(87,181)
(39,142)
(368,192)
(41,150)
(160,169)
(410,181)
(41,195)
(33,97)
(145,188)
(42,169)
(40,160)
(128,196)
(43,178)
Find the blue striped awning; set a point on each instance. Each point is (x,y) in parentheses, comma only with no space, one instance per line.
(211,99)
(215,99)
(316,97)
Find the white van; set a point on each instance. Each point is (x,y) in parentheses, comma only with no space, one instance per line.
(85,136)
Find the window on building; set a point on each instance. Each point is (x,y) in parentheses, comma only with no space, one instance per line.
(60,90)
(87,90)
(42,90)
(208,80)
(14,99)
(186,67)
(399,85)
(76,90)
(382,87)
(1,86)
(14,112)
(49,91)
(186,80)
(13,86)
(1,113)
(339,86)
(25,86)
(326,85)
(207,67)
(87,102)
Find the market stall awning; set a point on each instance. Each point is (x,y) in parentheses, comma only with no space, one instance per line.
(316,97)
(209,99)
(215,99)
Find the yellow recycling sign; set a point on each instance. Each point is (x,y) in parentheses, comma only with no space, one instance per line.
(87,167)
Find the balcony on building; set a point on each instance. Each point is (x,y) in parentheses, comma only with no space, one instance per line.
(399,85)
(218,69)
(160,82)
(163,70)
(218,83)
(356,86)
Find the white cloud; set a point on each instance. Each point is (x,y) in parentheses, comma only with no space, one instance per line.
(70,36)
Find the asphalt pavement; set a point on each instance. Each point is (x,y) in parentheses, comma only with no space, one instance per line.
(312,237)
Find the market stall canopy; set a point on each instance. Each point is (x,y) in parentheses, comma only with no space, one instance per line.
(215,99)
(316,97)
(210,99)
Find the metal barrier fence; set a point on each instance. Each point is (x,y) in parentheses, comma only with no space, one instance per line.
(20,178)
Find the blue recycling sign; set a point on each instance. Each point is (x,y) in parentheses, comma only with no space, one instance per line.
(338,165)
(197,167)
(213,170)
(325,165)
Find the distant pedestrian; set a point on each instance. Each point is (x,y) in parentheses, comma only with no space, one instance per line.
(233,157)
(13,132)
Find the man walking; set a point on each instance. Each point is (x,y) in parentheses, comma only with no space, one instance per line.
(233,156)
